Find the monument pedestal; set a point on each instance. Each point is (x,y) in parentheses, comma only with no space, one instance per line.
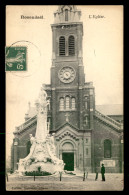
(44,167)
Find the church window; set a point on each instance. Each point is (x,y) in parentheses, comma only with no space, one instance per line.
(62,46)
(71,45)
(66,14)
(86,140)
(61,103)
(67,103)
(48,105)
(73,103)
(86,151)
(85,105)
(86,120)
(107,148)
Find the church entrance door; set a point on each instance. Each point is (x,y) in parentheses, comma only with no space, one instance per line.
(68,158)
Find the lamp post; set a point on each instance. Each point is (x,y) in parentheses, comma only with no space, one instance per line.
(60,172)
(83,159)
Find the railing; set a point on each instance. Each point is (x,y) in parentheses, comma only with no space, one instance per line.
(25,124)
(108,120)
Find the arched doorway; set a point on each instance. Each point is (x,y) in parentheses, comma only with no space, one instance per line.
(68,156)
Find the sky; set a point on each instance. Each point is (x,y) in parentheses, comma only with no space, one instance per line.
(102,56)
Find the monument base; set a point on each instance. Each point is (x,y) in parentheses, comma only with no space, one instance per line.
(42,158)
(44,167)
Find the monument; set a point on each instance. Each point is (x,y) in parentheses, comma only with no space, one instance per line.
(42,154)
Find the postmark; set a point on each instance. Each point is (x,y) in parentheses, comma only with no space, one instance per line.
(16,58)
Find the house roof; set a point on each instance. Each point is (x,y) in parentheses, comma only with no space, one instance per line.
(110,109)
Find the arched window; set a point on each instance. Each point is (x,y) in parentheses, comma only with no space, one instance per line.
(48,105)
(86,151)
(66,14)
(107,148)
(61,103)
(86,121)
(73,103)
(71,45)
(86,104)
(62,46)
(67,102)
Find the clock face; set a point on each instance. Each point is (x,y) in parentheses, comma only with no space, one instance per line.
(67,74)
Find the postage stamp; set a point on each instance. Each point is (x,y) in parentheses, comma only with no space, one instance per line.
(15,58)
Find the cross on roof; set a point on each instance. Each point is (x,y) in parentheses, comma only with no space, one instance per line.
(67,117)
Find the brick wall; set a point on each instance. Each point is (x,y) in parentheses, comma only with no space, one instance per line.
(102,132)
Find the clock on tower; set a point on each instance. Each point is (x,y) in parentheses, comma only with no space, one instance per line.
(67,74)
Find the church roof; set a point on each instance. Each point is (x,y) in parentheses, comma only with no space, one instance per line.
(110,109)
(107,109)
(67,124)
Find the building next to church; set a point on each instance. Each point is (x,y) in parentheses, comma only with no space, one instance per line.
(84,136)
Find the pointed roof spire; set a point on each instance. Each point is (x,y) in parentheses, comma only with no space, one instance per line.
(61,8)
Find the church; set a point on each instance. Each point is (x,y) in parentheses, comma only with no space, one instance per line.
(85,137)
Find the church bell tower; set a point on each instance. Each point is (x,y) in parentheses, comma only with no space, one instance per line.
(70,96)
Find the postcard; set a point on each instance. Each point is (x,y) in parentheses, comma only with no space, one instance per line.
(64,98)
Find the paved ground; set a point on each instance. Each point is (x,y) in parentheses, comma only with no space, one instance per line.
(114,182)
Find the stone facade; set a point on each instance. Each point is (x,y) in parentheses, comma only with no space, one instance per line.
(80,131)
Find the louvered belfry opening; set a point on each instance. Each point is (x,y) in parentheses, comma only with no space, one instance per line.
(66,14)
(62,46)
(71,43)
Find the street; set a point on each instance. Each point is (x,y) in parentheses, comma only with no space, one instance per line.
(114,182)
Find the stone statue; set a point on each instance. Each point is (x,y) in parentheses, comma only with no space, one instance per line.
(42,152)
(41,107)
(32,139)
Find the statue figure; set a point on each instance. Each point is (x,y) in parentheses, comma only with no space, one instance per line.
(25,161)
(32,139)
(41,107)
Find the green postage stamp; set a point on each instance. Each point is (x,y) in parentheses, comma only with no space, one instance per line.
(15,58)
